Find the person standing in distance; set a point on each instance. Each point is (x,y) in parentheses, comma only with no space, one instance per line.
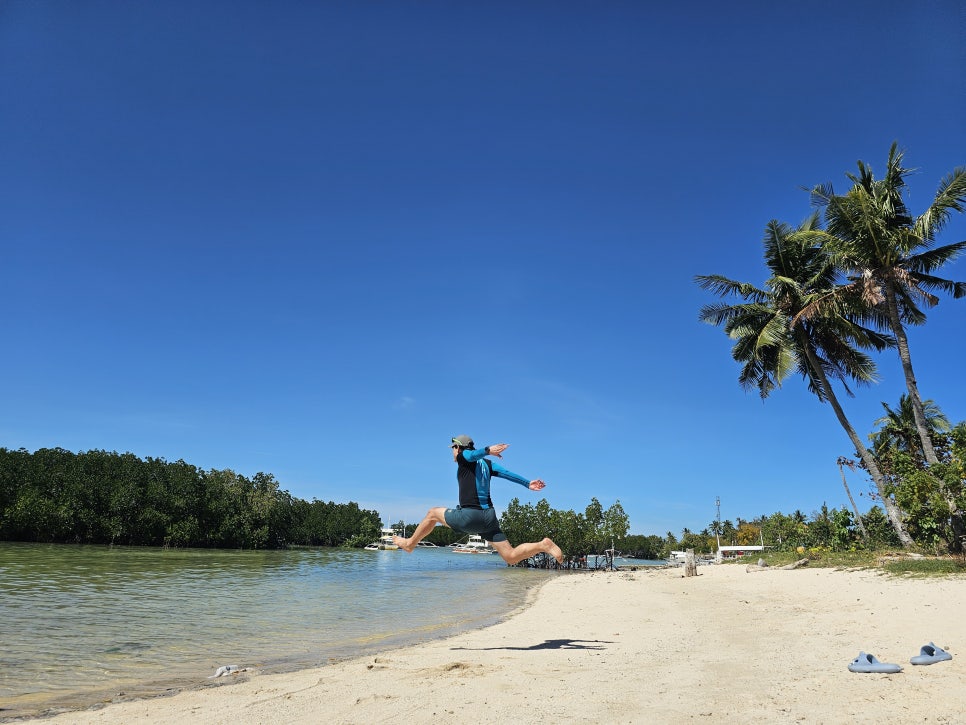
(475,513)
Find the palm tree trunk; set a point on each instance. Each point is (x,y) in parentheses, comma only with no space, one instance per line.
(919,414)
(858,516)
(902,344)
(892,511)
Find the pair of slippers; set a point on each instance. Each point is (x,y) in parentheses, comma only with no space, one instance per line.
(930,654)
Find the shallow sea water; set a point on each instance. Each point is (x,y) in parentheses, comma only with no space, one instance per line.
(81,624)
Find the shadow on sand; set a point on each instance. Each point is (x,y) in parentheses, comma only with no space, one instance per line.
(551,644)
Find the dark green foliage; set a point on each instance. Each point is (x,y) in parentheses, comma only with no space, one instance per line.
(97,497)
(592,532)
(640,546)
(443,536)
(596,529)
(932,497)
(880,531)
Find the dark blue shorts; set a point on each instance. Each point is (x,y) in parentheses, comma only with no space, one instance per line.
(475,521)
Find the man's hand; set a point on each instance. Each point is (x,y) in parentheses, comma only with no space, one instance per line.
(536,485)
(497,449)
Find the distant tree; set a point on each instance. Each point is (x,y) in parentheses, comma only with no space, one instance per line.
(748,534)
(595,540)
(643,547)
(843,536)
(878,527)
(568,530)
(443,536)
(898,429)
(820,527)
(616,522)
(691,540)
(518,521)
(670,543)
(97,497)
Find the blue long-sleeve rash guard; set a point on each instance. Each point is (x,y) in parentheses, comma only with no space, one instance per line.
(473,475)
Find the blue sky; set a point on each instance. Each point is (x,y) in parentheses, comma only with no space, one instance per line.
(318,239)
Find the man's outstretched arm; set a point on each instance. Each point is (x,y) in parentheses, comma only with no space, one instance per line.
(500,471)
(495,450)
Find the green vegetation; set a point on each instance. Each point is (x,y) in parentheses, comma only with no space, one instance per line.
(830,532)
(894,562)
(97,497)
(577,534)
(839,290)
(924,567)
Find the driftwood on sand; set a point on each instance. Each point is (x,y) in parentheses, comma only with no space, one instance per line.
(763,567)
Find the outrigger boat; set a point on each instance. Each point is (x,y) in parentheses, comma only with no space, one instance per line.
(475,545)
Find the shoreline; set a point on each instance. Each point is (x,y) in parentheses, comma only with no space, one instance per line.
(79,701)
(85,646)
(641,646)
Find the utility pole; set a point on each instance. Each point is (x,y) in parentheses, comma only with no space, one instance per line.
(717,530)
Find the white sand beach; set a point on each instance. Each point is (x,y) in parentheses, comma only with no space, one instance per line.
(634,647)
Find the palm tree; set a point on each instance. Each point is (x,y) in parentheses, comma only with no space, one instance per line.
(898,432)
(898,427)
(715,528)
(772,337)
(889,256)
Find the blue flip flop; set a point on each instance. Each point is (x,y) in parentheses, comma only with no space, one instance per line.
(930,654)
(868,663)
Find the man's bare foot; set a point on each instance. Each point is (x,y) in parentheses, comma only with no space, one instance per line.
(554,550)
(404,544)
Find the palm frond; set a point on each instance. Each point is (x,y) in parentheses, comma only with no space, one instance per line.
(723,287)
(909,283)
(846,362)
(765,370)
(950,197)
(774,333)
(824,304)
(928,282)
(820,195)
(935,258)
(717,314)
(813,237)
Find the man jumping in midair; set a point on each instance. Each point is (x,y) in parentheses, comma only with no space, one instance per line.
(475,514)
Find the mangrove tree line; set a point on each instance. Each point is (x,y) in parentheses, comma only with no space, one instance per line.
(57,496)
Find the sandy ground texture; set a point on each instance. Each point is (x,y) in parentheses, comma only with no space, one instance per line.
(635,647)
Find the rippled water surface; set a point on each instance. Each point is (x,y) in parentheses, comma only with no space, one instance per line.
(79,624)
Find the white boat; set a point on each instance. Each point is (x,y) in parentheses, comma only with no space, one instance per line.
(427,544)
(475,545)
(385,541)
